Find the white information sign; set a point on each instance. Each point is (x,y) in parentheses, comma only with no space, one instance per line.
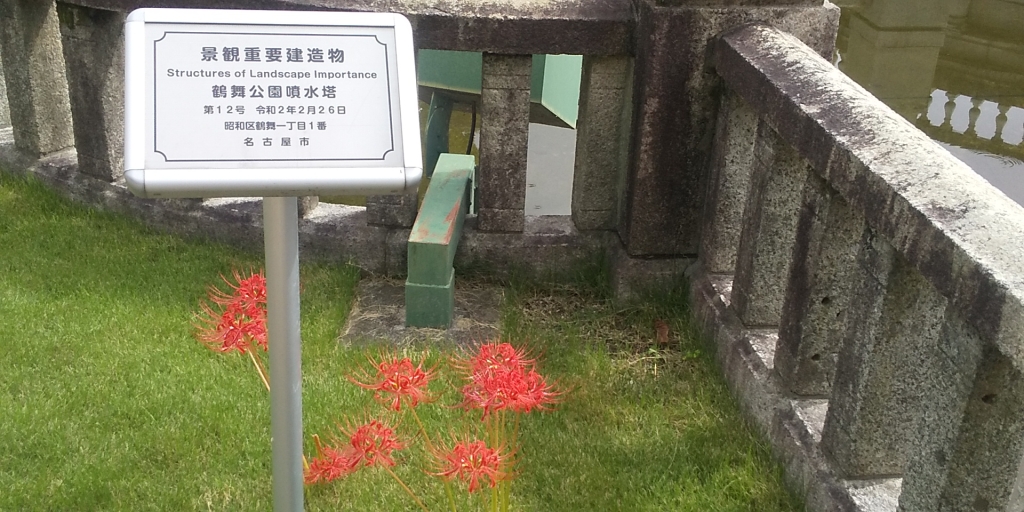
(226,102)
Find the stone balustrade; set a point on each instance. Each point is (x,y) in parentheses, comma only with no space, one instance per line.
(865,289)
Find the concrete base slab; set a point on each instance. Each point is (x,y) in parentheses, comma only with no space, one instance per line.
(378,315)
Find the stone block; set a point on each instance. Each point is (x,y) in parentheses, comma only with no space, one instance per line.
(504,133)
(307,204)
(602,141)
(393,211)
(500,220)
(37,90)
(769,230)
(894,318)
(821,279)
(634,277)
(676,99)
(729,181)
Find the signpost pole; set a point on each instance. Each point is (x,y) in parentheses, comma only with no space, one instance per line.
(281,242)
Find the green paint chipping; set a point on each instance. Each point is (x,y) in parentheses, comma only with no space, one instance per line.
(429,289)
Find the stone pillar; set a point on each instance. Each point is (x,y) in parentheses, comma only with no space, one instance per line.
(769,230)
(602,139)
(821,279)
(5,112)
(94,53)
(504,131)
(393,211)
(731,165)
(969,442)
(676,98)
(37,90)
(894,318)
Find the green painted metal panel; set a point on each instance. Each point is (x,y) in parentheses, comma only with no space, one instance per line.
(435,234)
(429,289)
(435,139)
(429,305)
(561,86)
(555,81)
(455,71)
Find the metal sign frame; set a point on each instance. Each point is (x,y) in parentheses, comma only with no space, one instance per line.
(279,182)
(241,177)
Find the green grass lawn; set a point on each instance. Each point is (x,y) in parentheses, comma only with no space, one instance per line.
(107,402)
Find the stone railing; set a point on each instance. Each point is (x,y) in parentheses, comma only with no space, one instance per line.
(65,64)
(865,289)
(1002,140)
(646,102)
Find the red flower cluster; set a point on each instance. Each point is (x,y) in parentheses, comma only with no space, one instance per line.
(237,319)
(398,378)
(502,378)
(329,464)
(472,461)
(369,444)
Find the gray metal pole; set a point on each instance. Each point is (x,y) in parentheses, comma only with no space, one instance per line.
(281,242)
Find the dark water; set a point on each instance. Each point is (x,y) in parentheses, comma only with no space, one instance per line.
(954,68)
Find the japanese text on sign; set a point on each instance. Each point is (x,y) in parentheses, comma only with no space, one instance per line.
(270,97)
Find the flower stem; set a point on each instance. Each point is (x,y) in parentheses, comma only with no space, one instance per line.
(451,496)
(406,487)
(259,369)
(423,431)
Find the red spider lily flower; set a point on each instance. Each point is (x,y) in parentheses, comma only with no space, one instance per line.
(503,378)
(398,378)
(243,319)
(249,291)
(372,443)
(330,464)
(472,462)
(491,357)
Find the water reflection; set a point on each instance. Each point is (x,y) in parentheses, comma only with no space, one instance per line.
(955,68)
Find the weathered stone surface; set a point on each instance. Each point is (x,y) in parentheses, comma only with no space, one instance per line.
(93,42)
(5,112)
(602,141)
(792,426)
(675,103)
(729,181)
(395,211)
(37,90)
(504,133)
(769,230)
(595,27)
(307,204)
(378,316)
(970,440)
(634,277)
(894,318)
(548,245)
(952,226)
(821,280)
